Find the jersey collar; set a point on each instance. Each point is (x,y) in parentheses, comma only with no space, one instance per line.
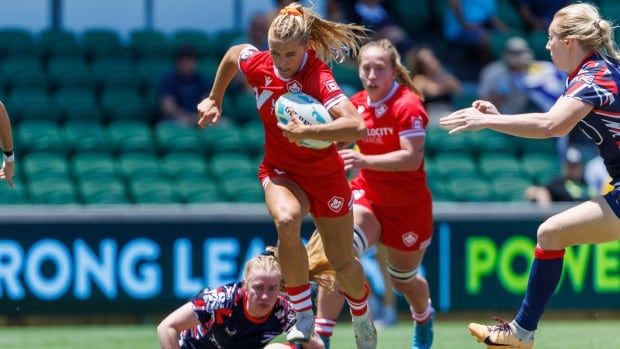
(393,89)
(574,73)
(303,64)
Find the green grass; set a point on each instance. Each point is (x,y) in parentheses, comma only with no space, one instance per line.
(590,334)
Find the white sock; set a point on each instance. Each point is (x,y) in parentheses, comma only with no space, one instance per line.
(523,334)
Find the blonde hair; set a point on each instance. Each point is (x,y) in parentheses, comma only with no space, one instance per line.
(402,73)
(583,22)
(263,262)
(332,41)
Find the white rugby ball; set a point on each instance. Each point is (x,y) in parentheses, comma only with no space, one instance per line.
(308,110)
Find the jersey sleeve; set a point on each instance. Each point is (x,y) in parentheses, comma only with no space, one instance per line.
(286,314)
(412,119)
(246,61)
(594,84)
(209,302)
(323,86)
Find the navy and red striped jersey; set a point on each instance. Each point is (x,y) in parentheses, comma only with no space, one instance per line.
(224,324)
(597,82)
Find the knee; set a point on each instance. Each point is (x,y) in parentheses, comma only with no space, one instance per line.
(342,264)
(548,235)
(288,225)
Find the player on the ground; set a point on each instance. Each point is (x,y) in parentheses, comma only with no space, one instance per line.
(582,44)
(298,180)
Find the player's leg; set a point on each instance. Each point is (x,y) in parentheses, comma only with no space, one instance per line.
(288,205)
(594,221)
(403,267)
(388,300)
(329,304)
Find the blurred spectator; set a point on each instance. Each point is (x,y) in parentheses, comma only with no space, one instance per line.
(596,175)
(537,14)
(519,84)
(570,186)
(257,31)
(468,22)
(372,15)
(182,89)
(437,85)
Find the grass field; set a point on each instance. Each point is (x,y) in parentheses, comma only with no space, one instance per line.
(449,335)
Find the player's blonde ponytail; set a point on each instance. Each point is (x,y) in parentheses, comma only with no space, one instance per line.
(332,41)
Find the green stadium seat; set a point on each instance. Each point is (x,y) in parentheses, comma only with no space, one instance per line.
(70,72)
(242,189)
(254,137)
(208,67)
(44,164)
(172,137)
(470,190)
(151,70)
(538,43)
(22,108)
(94,166)
(114,70)
(244,108)
(83,136)
(537,146)
(509,14)
(16,42)
(196,38)
(414,19)
(59,43)
(498,42)
(347,74)
(439,189)
(439,141)
(53,192)
(232,165)
(199,192)
(14,68)
(127,135)
(139,165)
(487,141)
(13,196)
(76,103)
(102,43)
(109,192)
(222,138)
(39,136)
(125,104)
(152,191)
(494,165)
(35,79)
(149,43)
(510,188)
(453,165)
(185,165)
(221,42)
(540,167)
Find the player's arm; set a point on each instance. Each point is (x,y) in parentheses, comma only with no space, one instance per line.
(347,126)
(407,158)
(210,108)
(171,327)
(557,122)
(6,142)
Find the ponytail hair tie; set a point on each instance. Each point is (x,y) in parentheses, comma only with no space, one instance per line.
(290,11)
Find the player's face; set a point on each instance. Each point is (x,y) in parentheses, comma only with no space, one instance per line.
(376,72)
(287,56)
(262,290)
(558,48)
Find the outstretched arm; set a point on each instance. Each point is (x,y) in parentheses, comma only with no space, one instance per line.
(6,141)
(171,327)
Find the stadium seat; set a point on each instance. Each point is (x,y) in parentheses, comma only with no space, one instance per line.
(229,165)
(221,42)
(244,108)
(31,107)
(44,164)
(127,135)
(509,14)
(242,189)
(77,103)
(124,104)
(139,165)
(493,165)
(102,43)
(172,137)
(114,70)
(29,79)
(414,19)
(510,188)
(208,67)
(70,72)
(152,191)
(222,138)
(254,137)
(13,196)
(439,141)
(94,166)
(537,146)
(14,68)
(149,43)
(347,74)
(538,43)
(196,38)
(487,141)
(16,42)
(541,168)
(103,192)
(151,70)
(452,165)
(439,189)
(59,43)
(52,192)
(83,136)
(470,190)
(39,136)
(203,192)
(185,165)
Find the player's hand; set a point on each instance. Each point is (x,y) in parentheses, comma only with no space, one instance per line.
(6,173)
(485,107)
(468,119)
(352,159)
(295,129)
(209,112)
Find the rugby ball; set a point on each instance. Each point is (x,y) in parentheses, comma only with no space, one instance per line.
(308,110)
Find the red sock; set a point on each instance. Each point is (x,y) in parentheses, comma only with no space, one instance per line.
(358,307)
(324,327)
(300,297)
